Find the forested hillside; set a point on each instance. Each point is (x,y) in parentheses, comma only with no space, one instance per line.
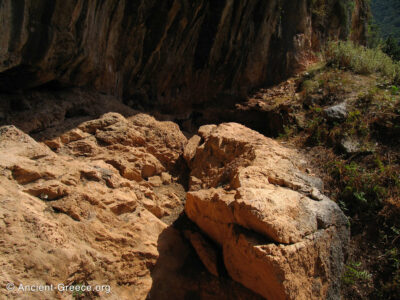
(387,15)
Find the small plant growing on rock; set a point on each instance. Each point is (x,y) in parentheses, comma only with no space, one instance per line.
(394,90)
(354,274)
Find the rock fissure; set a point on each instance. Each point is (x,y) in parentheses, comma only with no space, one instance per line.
(256,212)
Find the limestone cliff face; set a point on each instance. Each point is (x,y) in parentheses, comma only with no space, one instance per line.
(162,53)
(361,14)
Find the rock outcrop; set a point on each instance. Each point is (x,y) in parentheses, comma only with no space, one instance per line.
(168,54)
(86,213)
(92,195)
(93,206)
(280,236)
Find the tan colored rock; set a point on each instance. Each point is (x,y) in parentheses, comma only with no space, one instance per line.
(195,183)
(87,147)
(27,174)
(296,271)
(205,130)
(163,139)
(170,201)
(54,144)
(120,133)
(91,174)
(215,202)
(105,121)
(99,231)
(73,217)
(49,190)
(190,148)
(249,196)
(146,146)
(155,181)
(122,201)
(152,206)
(73,135)
(166,178)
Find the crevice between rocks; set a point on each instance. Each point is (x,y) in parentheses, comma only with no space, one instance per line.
(252,119)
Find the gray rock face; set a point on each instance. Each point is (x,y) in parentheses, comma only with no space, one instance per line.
(353,145)
(350,146)
(159,53)
(336,113)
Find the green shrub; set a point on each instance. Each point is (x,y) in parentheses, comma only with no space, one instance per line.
(394,90)
(354,274)
(361,190)
(310,86)
(391,47)
(361,60)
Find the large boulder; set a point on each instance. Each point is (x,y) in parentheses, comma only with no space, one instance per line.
(281,237)
(85,212)
(68,219)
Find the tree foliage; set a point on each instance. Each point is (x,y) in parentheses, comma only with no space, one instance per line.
(387,15)
(385,27)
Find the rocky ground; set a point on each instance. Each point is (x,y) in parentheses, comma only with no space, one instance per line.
(97,197)
(347,126)
(159,204)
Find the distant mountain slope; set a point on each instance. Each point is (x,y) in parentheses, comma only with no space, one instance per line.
(387,15)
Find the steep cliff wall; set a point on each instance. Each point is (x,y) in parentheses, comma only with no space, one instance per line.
(162,53)
(361,16)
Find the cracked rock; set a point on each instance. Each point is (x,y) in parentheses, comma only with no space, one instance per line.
(250,197)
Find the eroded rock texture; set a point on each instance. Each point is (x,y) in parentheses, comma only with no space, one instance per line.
(94,205)
(169,54)
(86,214)
(280,236)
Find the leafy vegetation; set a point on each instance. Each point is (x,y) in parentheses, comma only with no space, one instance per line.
(365,183)
(392,48)
(354,274)
(363,189)
(387,15)
(368,177)
(361,60)
(384,27)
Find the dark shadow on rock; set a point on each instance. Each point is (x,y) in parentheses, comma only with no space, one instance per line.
(179,273)
(48,111)
(45,113)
